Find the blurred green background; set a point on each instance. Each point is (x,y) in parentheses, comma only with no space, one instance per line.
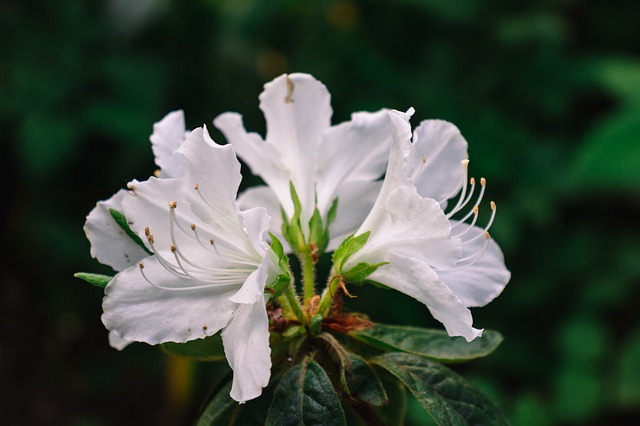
(546,92)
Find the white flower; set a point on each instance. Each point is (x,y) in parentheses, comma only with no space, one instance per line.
(209,264)
(322,161)
(447,265)
(109,244)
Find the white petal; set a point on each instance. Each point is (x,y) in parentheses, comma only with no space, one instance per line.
(355,200)
(168,135)
(263,158)
(481,282)
(214,168)
(263,196)
(141,312)
(395,176)
(436,153)
(418,280)
(117,342)
(110,245)
(253,288)
(412,226)
(356,150)
(246,346)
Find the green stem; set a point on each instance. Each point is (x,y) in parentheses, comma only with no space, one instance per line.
(327,296)
(308,275)
(294,303)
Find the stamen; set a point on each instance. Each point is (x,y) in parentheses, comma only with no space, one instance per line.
(470,260)
(474,211)
(463,192)
(194,287)
(178,254)
(168,266)
(486,228)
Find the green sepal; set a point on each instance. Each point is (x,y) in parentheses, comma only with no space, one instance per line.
(206,349)
(347,249)
(291,228)
(448,397)
(293,331)
(122,223)
(429,343)
(359,273)
(318,234)
(305,396)
(97,280)
(315,326)
(331,214)
(277,286)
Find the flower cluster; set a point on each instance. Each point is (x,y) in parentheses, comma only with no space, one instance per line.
(194,258)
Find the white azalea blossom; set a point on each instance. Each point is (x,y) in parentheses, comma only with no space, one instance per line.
(323,162)
(209,266)
(447,265)
(109,243)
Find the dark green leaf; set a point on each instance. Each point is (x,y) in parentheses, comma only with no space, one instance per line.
(219,410)
(348,247)
(360,272)
(98,280)
(207,349)
(449,398)
(434,344)
(122,222)
(305,396)
(363,382)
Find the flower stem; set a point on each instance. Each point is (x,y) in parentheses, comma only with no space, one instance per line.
(294,303)
(308,275)
(329,292)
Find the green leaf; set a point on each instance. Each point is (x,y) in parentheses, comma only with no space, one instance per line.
(449,398)
(348,247)
(122,222)
(98,280)
(207,349)
(219,410)
(305,396)
(360,272)
(434,344)
(609,157)
(363,382)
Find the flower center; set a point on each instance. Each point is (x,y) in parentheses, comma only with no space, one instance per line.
(184,267)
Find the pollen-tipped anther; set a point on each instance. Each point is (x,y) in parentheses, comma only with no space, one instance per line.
(173,204)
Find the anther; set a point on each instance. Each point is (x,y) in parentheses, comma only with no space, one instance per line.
(196,186)
(193,227)
(483,181)
(146,231)
(173,204)
(493,205)
(151,239)
(173,248)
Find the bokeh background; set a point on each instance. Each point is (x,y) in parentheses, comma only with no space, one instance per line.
(547,93)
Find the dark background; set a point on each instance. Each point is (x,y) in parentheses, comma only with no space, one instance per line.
(546,92)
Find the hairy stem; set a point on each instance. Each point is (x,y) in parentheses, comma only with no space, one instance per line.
(308,275)
(329,293)
(294,303)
